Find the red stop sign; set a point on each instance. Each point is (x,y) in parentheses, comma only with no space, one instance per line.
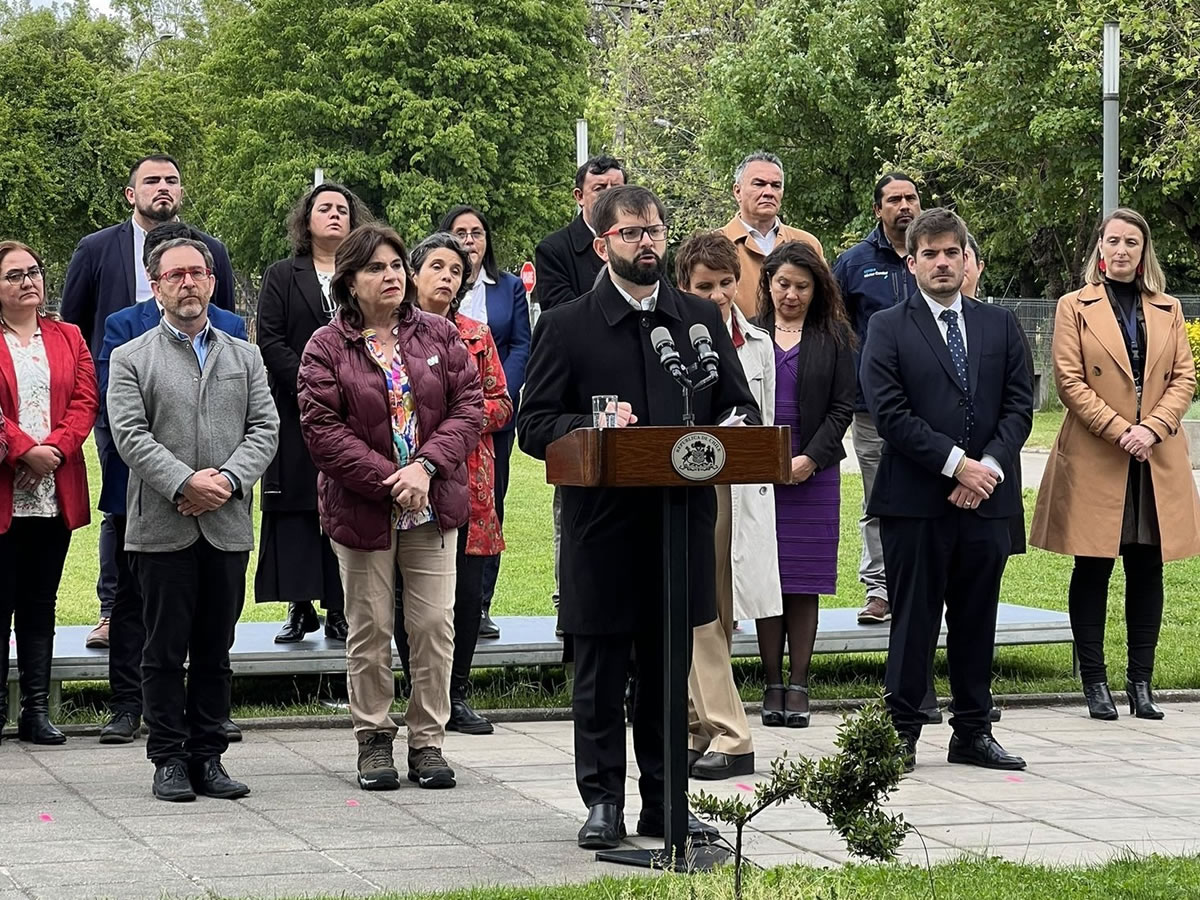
(528,277)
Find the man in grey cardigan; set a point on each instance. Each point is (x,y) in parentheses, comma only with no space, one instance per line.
(192,417)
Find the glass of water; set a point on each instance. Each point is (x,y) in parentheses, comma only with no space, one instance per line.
(604,411)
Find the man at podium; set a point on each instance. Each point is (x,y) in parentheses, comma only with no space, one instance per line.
(612,538)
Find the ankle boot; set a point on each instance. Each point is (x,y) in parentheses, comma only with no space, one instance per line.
(1100,701)
(34,657)
(1141,700)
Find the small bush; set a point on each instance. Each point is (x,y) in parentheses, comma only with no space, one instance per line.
(1193,333)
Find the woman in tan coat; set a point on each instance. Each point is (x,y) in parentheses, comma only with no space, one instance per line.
(1119,480)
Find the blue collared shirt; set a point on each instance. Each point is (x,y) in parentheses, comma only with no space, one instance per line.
(199,342)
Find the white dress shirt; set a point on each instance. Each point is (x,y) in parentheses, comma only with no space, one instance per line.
(141,280)
(766,242)
(474,305)
(936,309)
(646,305)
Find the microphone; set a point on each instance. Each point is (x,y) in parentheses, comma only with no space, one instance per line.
(668,356)
(702,343)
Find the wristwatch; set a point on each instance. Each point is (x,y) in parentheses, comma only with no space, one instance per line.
(430,468)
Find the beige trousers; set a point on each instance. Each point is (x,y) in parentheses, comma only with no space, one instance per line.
(426,561)
(716,718)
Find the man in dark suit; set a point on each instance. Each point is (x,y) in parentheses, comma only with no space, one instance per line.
(947,383)
(127,632)
(106,274)
(600,344)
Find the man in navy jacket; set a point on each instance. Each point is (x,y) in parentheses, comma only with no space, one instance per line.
(127,632)
(105,275)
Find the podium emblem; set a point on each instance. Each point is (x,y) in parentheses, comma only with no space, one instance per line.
(698,456)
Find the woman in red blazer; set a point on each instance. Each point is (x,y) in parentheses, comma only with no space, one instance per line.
(49,399)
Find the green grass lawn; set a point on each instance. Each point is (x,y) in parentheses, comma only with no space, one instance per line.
(1036,579)
(1045,429)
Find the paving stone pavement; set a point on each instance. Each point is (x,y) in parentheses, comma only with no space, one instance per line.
(78,821)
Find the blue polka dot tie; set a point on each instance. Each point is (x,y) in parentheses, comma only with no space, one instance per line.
(958,354)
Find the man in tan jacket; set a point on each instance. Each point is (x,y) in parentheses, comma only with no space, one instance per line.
(756,229)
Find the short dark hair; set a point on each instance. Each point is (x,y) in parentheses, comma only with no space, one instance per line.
(826,312)
(974,245)
(299,232)
(154,260)
(887,179)
(168,231)
(709,248)
(353,255)
(488,263)
(153,157)
(937,220)
(444,240)
(597,165)
(630,198)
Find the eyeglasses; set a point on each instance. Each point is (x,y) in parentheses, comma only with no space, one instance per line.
(632,234)
(378,268)
(476,236)
(176,276)
(16,277)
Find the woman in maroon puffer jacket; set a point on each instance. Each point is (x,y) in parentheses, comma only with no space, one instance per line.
(390,407)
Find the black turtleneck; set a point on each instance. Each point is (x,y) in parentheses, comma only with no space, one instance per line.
(1124,296)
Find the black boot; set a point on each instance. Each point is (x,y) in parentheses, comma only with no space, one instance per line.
(336,626)
(302,619)
(34,657)
(1100,701)
(1141,700)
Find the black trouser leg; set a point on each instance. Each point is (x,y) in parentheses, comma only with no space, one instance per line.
(598,707)
(210,677)
(468,596)
(9,587)
(502,443)
(648,709)
(126,633)
(106,584)
(401,633)
(1143,607)
(1087,603)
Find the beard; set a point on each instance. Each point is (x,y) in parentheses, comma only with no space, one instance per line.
(157,213)
(636,272)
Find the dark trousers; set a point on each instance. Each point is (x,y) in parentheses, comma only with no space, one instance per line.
(32,554)
(1088,605)
(126,632)
(106,585)
(955,560)
(502,441)
(598,704)
(468,586)
(193,598)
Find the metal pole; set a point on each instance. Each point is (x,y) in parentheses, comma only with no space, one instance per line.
(318,176)
(1112,114)
(581,142)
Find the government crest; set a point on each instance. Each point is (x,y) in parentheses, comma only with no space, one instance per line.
(698,456)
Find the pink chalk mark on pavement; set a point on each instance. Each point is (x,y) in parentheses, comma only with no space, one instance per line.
(744,787)
(1014,779)
(46,817)
(352,803)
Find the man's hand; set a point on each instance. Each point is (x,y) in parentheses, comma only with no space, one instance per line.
(205,491)
(977,478)
(1138,442)
(802,468)
(41,460)
(625,415)
(409,487)
(965,498)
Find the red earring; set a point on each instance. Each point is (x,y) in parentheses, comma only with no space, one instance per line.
(1103,265)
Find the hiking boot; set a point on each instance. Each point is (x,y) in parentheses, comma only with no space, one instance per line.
(428,768)
(376,769)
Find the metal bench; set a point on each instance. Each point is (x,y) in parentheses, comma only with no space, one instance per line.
(524,641)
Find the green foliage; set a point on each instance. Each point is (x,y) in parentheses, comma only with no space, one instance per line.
(416,104)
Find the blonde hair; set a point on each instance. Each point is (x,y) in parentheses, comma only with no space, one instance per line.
(1151,280)
(7,247)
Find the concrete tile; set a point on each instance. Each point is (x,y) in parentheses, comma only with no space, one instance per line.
(265,840)
(1070,810)
(1001,834)
(176,888)
(1182,804)
(135,867)
(1188,847)
(300,885)
(239,863)
(1141,785)
(401,857)
(1071,854)
(430,880)
(420,836)
(964,813)
(1155,828)
(64,852)
(484,832)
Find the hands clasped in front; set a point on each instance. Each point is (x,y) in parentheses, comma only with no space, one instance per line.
(976,483)
(1138,442)
(205,491)
(409,487)
(36,464)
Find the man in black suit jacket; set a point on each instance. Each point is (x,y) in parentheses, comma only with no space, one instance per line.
(612,538)
(947,384)
(106,275)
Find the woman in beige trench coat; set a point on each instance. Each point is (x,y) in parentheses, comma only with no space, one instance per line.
(1119,480)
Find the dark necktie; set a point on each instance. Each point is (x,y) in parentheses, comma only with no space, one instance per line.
(958,354)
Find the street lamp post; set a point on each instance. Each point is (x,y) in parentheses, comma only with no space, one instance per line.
(158,40)
(1112,114)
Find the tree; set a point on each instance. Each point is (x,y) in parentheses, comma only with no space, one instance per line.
(415,104)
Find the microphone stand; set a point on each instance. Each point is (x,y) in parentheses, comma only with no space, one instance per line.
(691,388)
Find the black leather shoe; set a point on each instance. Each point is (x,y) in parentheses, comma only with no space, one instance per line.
(716,766)
(910,751)
(210,779)
(233,734)
(302,619)
(933,715)
(38,729)
(122,728)
(1141,700)
(465,720)
(651,824)
(772,716)
(1100,701)
(487,628)
(604,828)
(171,783)
(994,714)
(336,626)
(984,751)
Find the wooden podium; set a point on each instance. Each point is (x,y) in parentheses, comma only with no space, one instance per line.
(673,459)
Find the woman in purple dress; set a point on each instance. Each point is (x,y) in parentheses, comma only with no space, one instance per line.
(800,306)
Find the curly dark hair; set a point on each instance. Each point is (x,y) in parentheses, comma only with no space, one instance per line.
(299,233)
(826,312)
(444,240)
(352,257)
